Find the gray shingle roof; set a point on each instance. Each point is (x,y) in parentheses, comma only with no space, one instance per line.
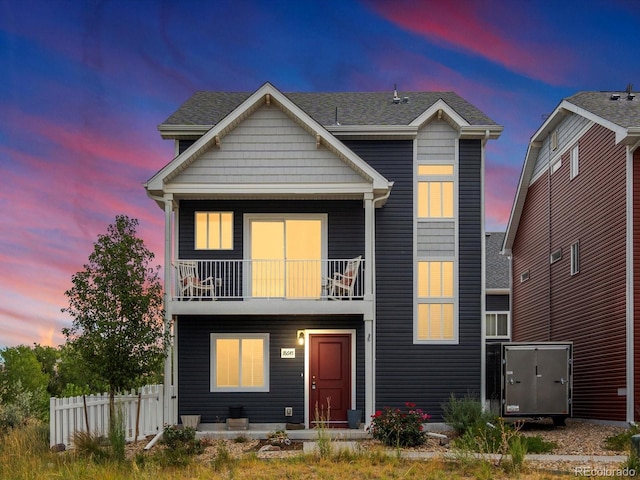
(497,266)
(370,108)
(622,112)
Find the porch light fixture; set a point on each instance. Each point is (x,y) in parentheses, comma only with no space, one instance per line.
(300,335)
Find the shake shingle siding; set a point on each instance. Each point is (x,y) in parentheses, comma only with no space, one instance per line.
(285,375)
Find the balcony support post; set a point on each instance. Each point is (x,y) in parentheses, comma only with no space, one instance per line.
(169,394)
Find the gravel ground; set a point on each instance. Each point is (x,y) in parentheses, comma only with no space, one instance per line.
(576,438)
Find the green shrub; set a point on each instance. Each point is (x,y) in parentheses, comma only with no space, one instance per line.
(279,438)
(181,444)
(465,414)
(396,427)
(538,445)
(621,441)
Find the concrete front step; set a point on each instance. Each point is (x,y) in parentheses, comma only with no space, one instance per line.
(261,431)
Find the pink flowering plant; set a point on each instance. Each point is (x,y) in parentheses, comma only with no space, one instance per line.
(399,427)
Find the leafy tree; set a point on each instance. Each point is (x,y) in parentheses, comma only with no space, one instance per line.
(116,307)
(23,384)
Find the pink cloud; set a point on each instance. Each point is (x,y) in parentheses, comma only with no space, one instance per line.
(467,28)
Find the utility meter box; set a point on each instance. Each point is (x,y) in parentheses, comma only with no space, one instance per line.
(530,379)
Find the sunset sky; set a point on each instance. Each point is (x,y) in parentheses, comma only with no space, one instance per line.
(84,85)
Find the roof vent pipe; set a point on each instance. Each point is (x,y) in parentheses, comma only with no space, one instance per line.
(396,98)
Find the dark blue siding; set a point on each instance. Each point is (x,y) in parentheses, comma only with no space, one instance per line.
(286,380)
(497,303)
(346,224)
(424,374)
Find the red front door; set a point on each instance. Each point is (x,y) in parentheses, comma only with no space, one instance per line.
(329,379)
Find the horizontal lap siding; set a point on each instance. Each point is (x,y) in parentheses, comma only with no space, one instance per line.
(587,308)
(424,374)
(590,308)
(345,217)
(286,375)
(497,303)
(530,307)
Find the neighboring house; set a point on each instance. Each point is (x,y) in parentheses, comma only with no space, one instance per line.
(573,236)
(327,248)
(497,282)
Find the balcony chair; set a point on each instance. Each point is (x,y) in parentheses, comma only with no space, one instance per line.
(190,285)
(341,285)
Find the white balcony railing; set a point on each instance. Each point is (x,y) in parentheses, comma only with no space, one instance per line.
(285,279)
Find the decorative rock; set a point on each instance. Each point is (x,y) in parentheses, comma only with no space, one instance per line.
(270,448)
(58,447)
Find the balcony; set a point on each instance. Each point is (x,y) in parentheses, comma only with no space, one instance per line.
(269,287)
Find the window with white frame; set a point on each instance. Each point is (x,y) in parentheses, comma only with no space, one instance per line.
(435,191)
(554,140)
(240,362)
(436,307)
(575,258)
(497,325)
(214,230)
(575,162)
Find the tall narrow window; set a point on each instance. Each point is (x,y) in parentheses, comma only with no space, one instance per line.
(214,230)
(435,191)
(240,362)
(436,319)
(575,258)
(575,162)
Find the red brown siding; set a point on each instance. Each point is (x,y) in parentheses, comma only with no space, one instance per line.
(588,308)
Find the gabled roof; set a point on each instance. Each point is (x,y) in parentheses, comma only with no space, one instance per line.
(496,265)
(267,94)
(339,112)
(354,108)
(617,111)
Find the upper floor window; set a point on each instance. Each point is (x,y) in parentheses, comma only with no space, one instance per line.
(436,318)
(435,191)
(575,258)
(240,362)
(575,162)
(554,140)
(497,325)
(214,230)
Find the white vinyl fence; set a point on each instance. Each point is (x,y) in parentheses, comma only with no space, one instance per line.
(142,412)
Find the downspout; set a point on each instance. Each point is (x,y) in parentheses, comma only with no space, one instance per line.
(483,281)
(370,408)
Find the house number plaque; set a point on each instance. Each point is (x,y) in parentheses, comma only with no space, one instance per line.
(287,353)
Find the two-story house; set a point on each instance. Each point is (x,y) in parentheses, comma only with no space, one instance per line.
(573,236)
(323,249)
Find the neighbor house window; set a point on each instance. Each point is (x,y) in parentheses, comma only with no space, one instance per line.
(575,258)
(497,325)
(524,276)
(214,230)
(554,140)
(575,162)
(555,256)
(240,362)
(436,317)
(435,191)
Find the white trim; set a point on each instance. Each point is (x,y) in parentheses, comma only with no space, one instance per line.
(265,337)
(312,331)
(574,261)
(247,233)
(498,312)
(630,320)
(574,161)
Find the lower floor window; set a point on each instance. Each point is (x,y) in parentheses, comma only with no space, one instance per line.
(497,325)
(435,321)
(239,362)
